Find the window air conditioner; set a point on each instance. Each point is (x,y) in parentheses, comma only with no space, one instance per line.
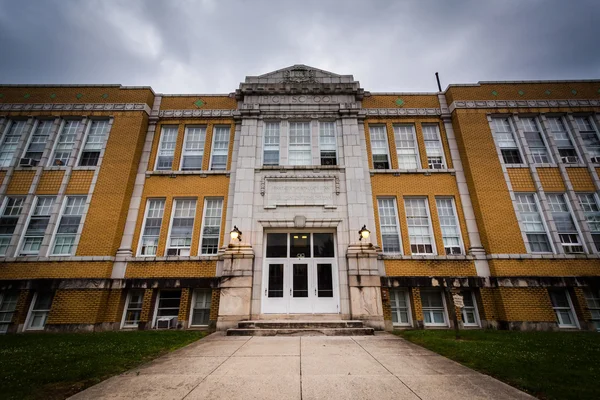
(596,160)
(178,252)
(570,159)
(166,323)
(28,162)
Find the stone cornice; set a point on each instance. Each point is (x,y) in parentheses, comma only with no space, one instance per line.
(385,112)
(76,107)
(197,113)
(521,103)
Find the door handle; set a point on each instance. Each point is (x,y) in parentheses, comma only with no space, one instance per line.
(315,291)
(265,291)
(290,291)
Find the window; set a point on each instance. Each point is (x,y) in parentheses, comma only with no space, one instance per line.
(38,313)
(201,307)
(65,143)
(68,226)
(8,221)
(434,308)
(299,148)
(379,147)
(133,309)
(271,148)
(562,139)
(166,148)
(193,148)
(505,139)
(433,147)
(469,311)
(39,138)
(36,229)
(561,303)
(167,305)
(388,223)
(406,147)
(151,230)
(211,229)
(220,148)
(591,210)
(11,141)
(449,225)
(419,227)
(93,143)
(592,298)
(590,137)
(182,224)
(565,225)
(8,305)
(535,141)
(532,223)
(400,305)
(327,143)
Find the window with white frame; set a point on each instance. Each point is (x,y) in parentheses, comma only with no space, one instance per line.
(220,148)
(299,150)
(563,308)
(327,143)
(449,225)
(68,225)
(565,225)
(590,137)
(591,211)
(535,140)
(406,147)
(38,222)
(11,141)
(133,309)
(563,141)
(166,148)
(532,223)
(182,225)
(193,148)
(8,220)
(419,226)
(65,143)
(211,226)
(271,145)
(167,304)
(38,140)
(400,305)
(505,139)
(433,146)
(388,223)
(592,297)
(201,307)
(469,311)
(151,230)
(8,305)
(90,155)
(379,147)
(434,308)
(38,313)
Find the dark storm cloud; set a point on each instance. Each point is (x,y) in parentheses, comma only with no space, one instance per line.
(209,46)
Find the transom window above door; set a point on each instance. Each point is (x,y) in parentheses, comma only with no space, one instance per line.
(300,245)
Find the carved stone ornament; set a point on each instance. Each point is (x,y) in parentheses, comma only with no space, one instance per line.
(299,75)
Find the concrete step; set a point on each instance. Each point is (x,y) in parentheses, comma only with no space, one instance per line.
(298,324)
(301,332)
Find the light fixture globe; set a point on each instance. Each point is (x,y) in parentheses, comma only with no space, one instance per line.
(236,234)
(364,233)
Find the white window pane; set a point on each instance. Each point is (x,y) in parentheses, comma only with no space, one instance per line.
(211,228)
(419,228)
(406,147)
(220,147)
(166,148)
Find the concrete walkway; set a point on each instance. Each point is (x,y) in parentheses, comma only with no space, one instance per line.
(362,367)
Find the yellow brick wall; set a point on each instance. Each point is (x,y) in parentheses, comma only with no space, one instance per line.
(429,268)
(20,182)
(545,267)
(386,304)
(187,103)
(526,304)
(410,101)
(88,94)
(77,306)
(520,179)
(2,176)
(167,269)
(487,304)
(581,179)
(214,304)
(551,179)
(79,182)
(56,269)
(416,305)
(50,182)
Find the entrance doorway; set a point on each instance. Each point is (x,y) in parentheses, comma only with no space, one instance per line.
(300,274)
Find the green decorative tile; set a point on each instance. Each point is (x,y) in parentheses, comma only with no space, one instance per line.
(548,92)
(27,95)
(521,93)
(79,95)
(105,96)
(399,102)
(494,93)
(53,96)
(199,103)
(574,91)
(598,90)
(2,95)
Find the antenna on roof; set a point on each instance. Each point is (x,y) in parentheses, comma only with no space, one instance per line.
(437,77)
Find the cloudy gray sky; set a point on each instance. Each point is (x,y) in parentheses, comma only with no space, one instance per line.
(209,46)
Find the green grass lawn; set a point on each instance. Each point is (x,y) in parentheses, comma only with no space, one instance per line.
(549,365)
(55,366)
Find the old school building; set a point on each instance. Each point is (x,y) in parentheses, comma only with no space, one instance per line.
(300,196)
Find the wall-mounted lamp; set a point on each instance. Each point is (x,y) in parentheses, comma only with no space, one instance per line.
(236,233)
(364,233)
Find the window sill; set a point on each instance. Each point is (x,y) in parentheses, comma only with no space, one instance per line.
(214,257)
(426,257)
(201,173)
(84,168)
(413,171)
(56,258)
(300,168)
(548,256)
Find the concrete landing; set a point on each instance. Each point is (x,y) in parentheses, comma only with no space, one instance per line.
(300,328)
(379,367)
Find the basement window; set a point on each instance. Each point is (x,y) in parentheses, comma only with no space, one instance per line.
(563,308)
(38,313)
(167,307)
(201,307)
(400,305)
(8,305)
(592,298)
(133,309)
(434,308)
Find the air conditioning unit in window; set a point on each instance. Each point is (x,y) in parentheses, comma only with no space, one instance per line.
(166,323)
(573,249)
(436,166)
(178,252)
(28,162)
(596,160)
(570,159)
